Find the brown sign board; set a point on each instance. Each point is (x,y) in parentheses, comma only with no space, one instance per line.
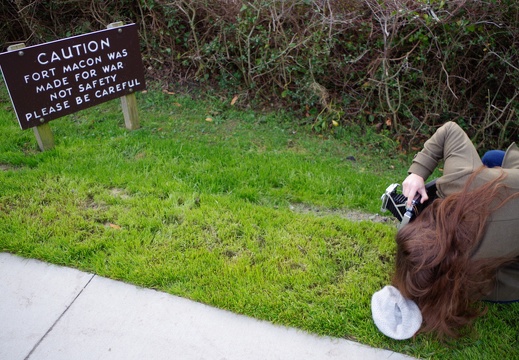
(58,78)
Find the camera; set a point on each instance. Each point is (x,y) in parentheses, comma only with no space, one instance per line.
(395,202)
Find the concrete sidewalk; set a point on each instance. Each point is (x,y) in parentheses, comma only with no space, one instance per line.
(50,312)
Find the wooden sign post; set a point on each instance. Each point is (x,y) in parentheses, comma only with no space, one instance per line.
(128,102)
(55,79)
(42,132)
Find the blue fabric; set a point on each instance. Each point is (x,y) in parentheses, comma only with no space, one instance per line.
(493,158)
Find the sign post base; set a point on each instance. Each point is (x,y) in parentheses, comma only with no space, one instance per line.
(44,137)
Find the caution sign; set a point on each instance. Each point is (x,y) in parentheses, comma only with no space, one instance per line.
(58,78)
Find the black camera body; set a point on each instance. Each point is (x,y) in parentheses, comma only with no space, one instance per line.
(396,203)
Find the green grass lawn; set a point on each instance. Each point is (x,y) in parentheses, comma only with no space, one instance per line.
(237,209)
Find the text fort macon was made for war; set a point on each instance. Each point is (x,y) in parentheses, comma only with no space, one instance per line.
(51,80)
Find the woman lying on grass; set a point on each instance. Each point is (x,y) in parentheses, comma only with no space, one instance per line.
(461,249)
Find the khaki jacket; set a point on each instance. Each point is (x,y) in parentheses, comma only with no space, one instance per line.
(452,145)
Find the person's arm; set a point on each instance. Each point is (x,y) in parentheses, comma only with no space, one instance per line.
(449,143)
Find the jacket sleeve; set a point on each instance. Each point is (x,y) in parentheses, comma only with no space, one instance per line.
(452,145)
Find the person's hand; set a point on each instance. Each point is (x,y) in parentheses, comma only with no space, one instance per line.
(414,185)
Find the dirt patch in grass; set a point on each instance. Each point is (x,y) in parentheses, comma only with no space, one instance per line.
(352,215)
(119,193)
(5,167)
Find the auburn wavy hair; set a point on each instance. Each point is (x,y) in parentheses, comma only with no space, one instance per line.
(434,264)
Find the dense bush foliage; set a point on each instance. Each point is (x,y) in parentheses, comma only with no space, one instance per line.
(404,66)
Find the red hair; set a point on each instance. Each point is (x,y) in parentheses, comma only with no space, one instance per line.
(434,263)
